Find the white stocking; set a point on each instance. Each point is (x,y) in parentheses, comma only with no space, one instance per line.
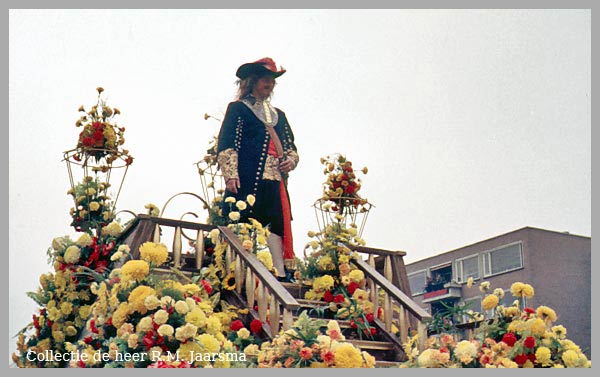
(276,247)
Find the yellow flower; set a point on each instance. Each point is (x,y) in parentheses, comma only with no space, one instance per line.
(369,360)
(543,356)
(137,298)
(192,288)
(182,307)
(489,302)
(166,330)
(66,308)
(326,263)
(560,331)
(120,315)
(234,216)
(484,286)
(465,351)
(84,240)
(241,205)
(519,289)
(323,283)
(230,199)
(499,292)
(135,270)
(113,229)
(570,358)
(151,302)
(511,311)
(72,254)
(209,343)
(266,258)
(545,313)
(161,316)
(356,276)
(470,282)
(360,295)
(188,351)
(152,209)
(144,325)
(243,333)
(185,332)
(94,206)
(155,253)
(213,324)
(229,282)
(347,356)
(536,326)
(196,317)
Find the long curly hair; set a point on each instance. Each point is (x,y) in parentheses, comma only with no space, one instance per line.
(246,86)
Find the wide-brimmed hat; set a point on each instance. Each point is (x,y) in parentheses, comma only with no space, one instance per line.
(259,67)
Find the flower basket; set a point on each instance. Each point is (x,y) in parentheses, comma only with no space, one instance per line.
(345,210)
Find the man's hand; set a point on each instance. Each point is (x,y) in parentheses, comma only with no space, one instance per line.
(287,165)
(233,185)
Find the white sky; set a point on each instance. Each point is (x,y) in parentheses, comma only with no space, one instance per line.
(472,123)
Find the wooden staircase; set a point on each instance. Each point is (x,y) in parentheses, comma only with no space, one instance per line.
(279,304)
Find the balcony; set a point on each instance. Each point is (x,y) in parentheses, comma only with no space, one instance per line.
(449,290)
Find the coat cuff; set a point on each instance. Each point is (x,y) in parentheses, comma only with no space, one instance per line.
(228,161)
(294,156)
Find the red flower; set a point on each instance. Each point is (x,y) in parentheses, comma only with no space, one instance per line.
(236,325)
(379,312)
(353,324)
(350,190)
(521,359)
(370,317)
(87,141)
(206,285)
(109,322)
(305,353)
(97,125)
(373,331)
(327,356)
(328,296)
(529,342)
(529,310)
(352,287)
(88,339)
(93,327)
(531,357)
(256,326)
(98,136)
(444,350)
(510,339)
(339,298)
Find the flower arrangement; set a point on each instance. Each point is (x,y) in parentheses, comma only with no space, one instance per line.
(305,346)
(336,281)
(511,337)
(101,137)
(342,186)
(93,207)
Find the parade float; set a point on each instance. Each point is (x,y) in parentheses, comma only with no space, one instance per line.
(118,296)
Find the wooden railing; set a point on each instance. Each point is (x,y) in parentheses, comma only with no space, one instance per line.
(392,279)
(270,296)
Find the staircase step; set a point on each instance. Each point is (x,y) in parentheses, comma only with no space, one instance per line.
(371,344)
(342,323)
(312,303)
(387,364)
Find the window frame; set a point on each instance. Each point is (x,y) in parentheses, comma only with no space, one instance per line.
(425,270)
(458,261)
(488,264)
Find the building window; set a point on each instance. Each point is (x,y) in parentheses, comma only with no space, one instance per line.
(506,258)
(417,282)
(467,268)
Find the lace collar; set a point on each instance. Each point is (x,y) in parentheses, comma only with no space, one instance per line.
(263,110)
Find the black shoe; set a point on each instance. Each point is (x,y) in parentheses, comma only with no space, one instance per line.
(288,278)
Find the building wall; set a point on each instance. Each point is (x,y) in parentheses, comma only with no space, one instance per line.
(557,265)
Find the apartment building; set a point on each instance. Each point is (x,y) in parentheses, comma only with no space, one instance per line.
(556,264)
